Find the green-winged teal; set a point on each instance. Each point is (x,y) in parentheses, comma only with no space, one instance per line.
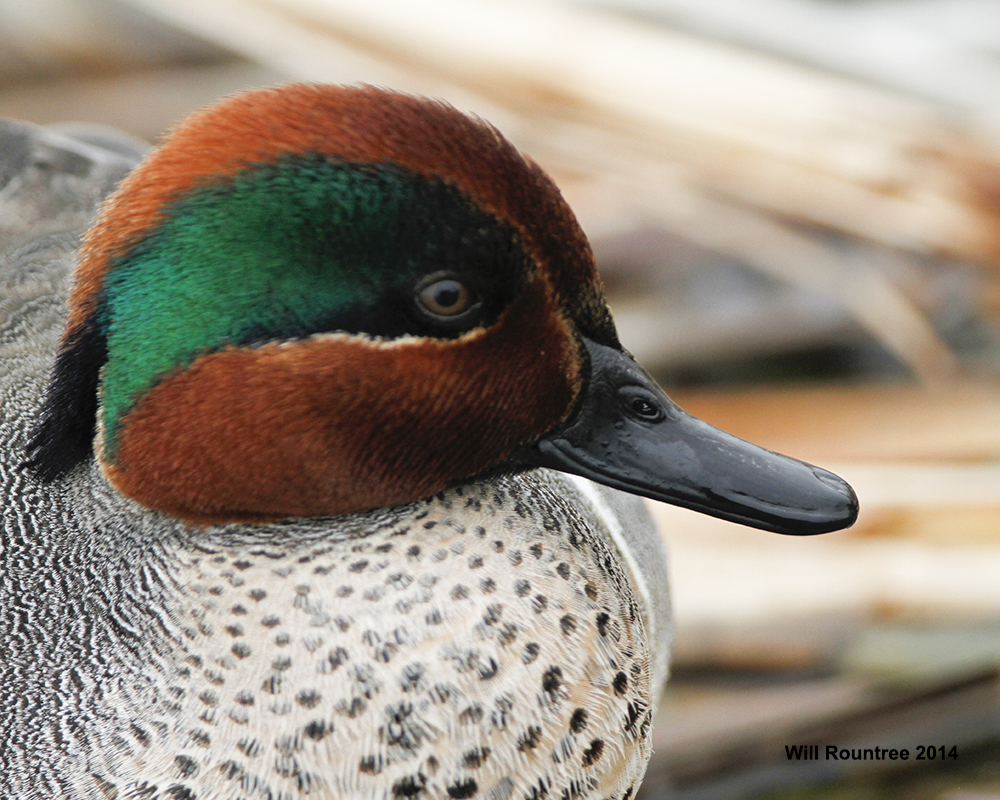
(274,526)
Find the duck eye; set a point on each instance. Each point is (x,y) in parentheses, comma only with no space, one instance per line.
(445,298)
(640,405)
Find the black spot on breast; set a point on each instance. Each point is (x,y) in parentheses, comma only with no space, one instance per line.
(493,613)
(251,748)
(552,681)
(567,624)
(504,703)
(539,603)
(463,789)
(234,630)
(590,590)
(370,765)
(308,698)
(374,594)
(487,668)
(592,753)
(475,562)
(441,693)
(603,618)
(471,715)
(351,709)
(474,759)
(632,712)
(242,564)
(531,650)
(399,580)
(270,621)
(521,588)
(209,698)
(178,792)
(332,660)
(402,728)
(230,770)
(318,729)
(186,766)
(507,633)
(358,566)
(562,569)
(200,738)
(240,650)
(214,677)
(529,739)
(459,592)
(257,594)
(238,610)
(412,677)
(620,683)
(487,585)
(286,766)
(409,786)
(578,721)
(536,550)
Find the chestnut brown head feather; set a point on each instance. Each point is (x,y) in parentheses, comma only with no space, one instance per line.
(261,305)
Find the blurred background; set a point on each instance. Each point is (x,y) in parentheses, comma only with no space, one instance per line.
(796,208)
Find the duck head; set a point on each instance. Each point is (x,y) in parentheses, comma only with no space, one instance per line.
(314,300)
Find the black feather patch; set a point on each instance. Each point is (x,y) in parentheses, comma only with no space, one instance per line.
(64,435)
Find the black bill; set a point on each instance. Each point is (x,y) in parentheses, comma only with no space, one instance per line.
(628,434)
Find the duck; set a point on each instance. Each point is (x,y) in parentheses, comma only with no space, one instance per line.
(323,466)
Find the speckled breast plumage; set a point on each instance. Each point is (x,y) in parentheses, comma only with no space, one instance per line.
(492,641)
